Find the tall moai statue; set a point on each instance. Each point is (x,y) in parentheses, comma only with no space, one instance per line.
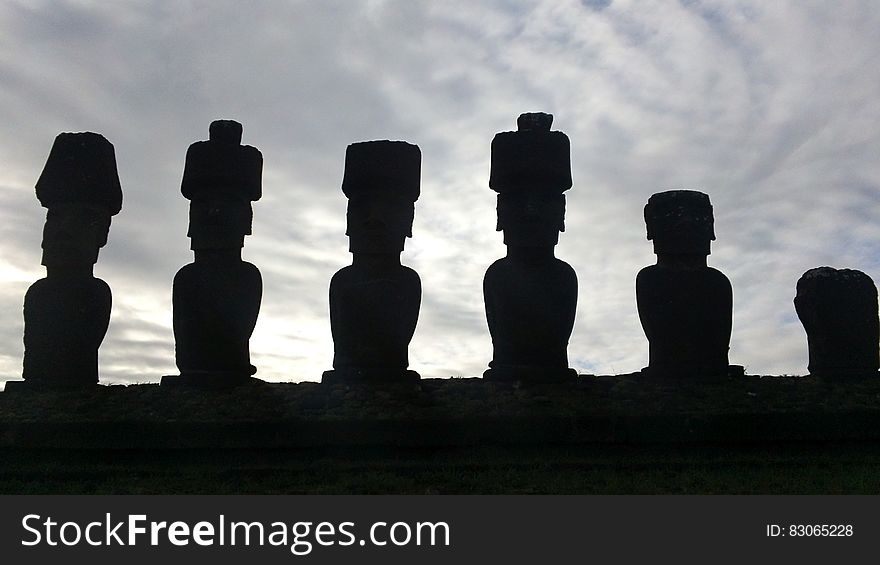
(66,314)
(838,309)
(685,306)
(216,298)
(530,295)
(374,302)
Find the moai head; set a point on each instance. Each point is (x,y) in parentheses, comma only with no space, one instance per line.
(530,170)
(221,178)
(381,182)
(838,309)
(80,188)
(680,222)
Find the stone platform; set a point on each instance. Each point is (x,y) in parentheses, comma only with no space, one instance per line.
(623,409)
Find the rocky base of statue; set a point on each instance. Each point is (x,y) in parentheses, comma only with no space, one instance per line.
(352,375)
(679,373)
(29,386)
(211,380)
(845,373)
(530,375)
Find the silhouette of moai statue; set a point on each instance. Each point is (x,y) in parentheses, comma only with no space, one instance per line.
(685,306)
(216,298)
(66,314)
(374,302)
(838,309)
(530,295)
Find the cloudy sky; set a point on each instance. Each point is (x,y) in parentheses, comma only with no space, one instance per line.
(772,108)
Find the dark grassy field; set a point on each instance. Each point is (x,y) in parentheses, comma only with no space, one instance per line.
(609,435)
(849,468)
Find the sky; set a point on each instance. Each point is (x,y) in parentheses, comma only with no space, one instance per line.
(771,108)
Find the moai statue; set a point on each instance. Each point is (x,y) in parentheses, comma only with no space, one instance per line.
(530,295)
(216,298)
(838,309)
(685,306)
(374,302)
(66,314)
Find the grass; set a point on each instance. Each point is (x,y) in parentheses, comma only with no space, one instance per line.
(848,468)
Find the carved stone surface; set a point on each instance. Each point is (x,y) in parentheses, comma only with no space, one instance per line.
(530,295)
(838,308)
(216,298)
(66,314)
(685,306)
(374,302)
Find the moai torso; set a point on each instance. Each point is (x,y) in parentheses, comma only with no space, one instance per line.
(387,297)
(530,295)
(374,302)
(66,314)
(838,309)
(216,298)
(530,309)
(686,315)
(216,301)
(685,306)
(66,319)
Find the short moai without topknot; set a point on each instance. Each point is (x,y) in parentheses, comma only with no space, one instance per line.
(530,295)
(216,298)
(838,308)
(685,306)
(66,314)
(374,302)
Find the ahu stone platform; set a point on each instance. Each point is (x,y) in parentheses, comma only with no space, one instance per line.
(623,409)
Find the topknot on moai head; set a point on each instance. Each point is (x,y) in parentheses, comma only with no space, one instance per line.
(533,158)
(81,169)
(382,168)
(222,168)
(680,221)
(381,182)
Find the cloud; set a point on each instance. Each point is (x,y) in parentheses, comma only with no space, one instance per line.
(597,5)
